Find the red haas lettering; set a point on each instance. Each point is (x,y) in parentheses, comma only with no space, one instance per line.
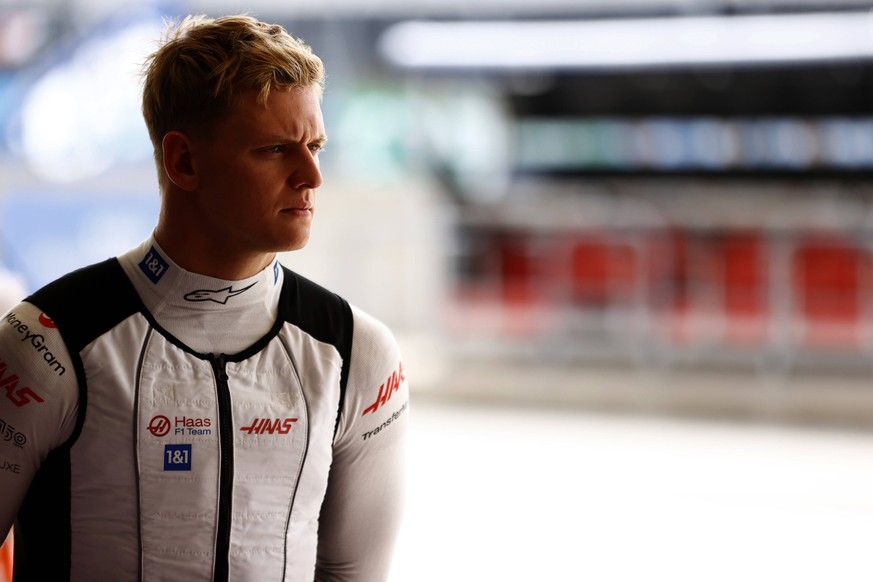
(270,426)
(386,390)
(18,396)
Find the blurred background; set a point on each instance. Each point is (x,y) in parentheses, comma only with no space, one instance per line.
(626,246)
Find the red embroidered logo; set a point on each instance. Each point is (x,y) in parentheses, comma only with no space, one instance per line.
(46,321)
(159,426)
(270,426)
(18,396)
(386,390)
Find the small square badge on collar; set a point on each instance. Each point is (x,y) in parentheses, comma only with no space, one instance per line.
(154,266)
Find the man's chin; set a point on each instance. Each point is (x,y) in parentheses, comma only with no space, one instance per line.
(294,245)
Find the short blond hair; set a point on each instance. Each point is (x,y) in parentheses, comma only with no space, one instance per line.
(203,63)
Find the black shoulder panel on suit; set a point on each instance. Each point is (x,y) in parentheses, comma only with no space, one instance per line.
(88,302)
(321,313)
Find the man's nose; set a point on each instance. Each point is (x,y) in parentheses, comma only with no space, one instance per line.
(307,173)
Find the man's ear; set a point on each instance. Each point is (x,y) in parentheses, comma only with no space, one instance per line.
(178,160)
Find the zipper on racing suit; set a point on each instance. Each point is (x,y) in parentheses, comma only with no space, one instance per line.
(225,479)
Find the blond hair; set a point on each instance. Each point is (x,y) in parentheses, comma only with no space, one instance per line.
(203,63)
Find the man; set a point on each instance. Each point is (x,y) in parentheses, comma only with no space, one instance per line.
(192,410)
(11,292)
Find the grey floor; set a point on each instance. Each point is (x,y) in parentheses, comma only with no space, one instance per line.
(514,493)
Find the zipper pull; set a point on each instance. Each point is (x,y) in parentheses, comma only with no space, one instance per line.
(218,363)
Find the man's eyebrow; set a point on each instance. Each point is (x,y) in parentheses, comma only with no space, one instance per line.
(284,139)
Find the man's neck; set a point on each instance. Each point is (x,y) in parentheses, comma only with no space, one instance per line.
(203,259)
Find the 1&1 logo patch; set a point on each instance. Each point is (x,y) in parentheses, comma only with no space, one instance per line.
(154,266)
(177,457)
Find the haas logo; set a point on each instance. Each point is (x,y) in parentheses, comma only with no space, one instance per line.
(18,396)
(387,389)
(159,426)
(270,426)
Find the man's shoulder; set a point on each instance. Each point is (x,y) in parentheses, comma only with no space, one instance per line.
(305,299)
(81,279)
(315,309)
(371,329)
(87,300)
(306,289)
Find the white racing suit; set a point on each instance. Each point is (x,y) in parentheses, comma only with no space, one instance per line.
(160,425)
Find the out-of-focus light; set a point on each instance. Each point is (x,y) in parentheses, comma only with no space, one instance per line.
(698,143)
(21,34)
(848,143)
(640,42)
(83,116)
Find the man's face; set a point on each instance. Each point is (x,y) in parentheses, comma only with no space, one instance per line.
(258,172)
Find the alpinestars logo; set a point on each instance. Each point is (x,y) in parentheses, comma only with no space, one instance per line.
(18,396)
(270,426)
(218,296)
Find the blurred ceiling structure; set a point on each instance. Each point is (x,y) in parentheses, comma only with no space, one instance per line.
(519,7)
(632,42)
(445,8)
(550,61)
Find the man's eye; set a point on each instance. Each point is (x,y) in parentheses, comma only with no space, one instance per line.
(276,149)
(316,147)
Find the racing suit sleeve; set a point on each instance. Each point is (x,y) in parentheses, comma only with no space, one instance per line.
(363,508)
(38,402)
